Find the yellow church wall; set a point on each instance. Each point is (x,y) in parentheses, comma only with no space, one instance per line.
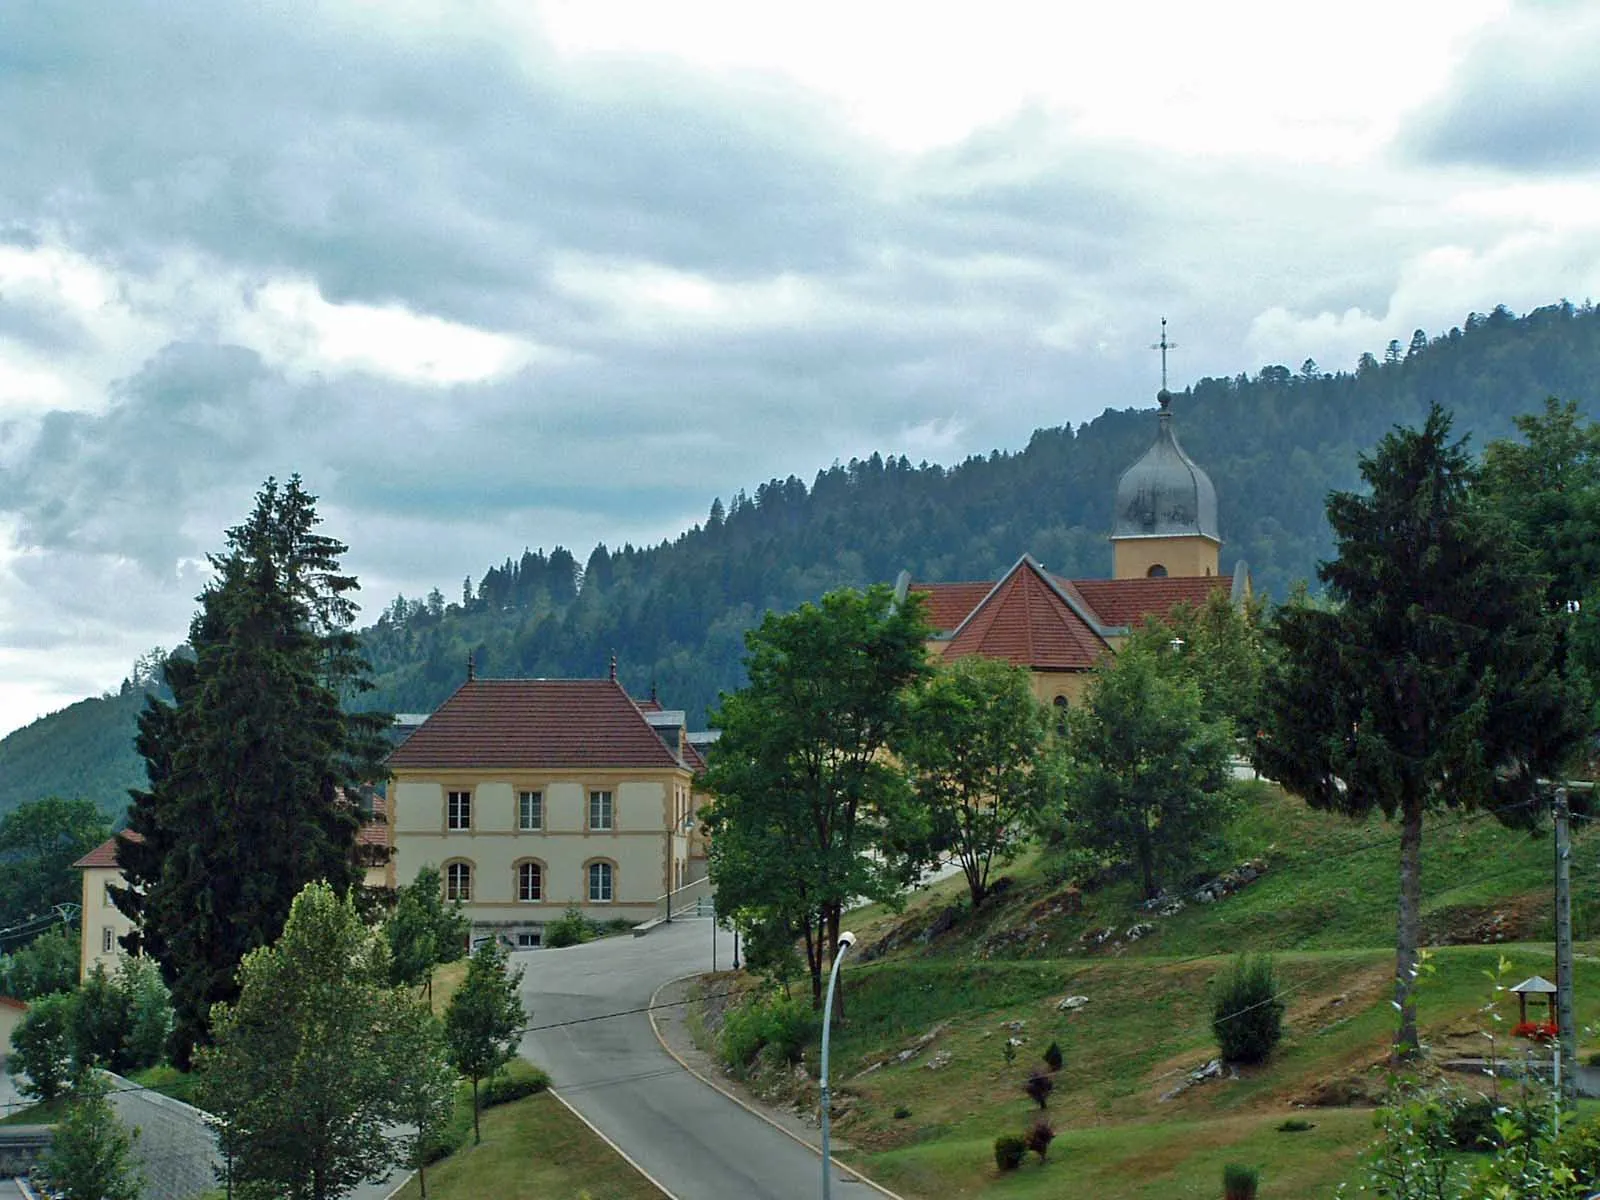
(1132,558)
(1047,685)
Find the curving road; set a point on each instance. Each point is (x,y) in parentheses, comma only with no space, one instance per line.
(691,1139)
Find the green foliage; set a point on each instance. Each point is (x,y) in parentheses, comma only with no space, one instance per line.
(808,813)
(516,1080)
(41,1046)
(780,1025)
(1246,1014)
(1295,1125)
(1148,768)
(39,842)
(977,745)
(1433,681)
(569,929)
(251,764)
(91,1154)
(423,931)
(1239,1182)
(313,1061)
(424,1095)
(149,1012)
(46,965)
(1472,1123)
(99,1022)
(1009,1151)
(769,948)
(1221,648)
(484,1019)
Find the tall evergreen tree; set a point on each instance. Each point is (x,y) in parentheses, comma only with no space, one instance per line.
(250,764)
(1429,681)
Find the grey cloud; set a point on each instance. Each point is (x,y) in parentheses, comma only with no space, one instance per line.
(1523,100)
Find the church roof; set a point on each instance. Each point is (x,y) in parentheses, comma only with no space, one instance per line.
(1124,603)
(1165,494)
(1027,619)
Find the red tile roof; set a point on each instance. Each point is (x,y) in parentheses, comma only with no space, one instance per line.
(373,833)
(535,724)
(105,854)
(1026,620)
(13,1002)
(1127,602)
(949,603)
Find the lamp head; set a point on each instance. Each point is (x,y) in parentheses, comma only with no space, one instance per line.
(847,939)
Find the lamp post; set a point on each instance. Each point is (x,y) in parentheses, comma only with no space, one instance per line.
(846,940)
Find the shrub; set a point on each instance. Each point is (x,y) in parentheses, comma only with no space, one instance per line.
(1052,1057)
(1240,1182)
(1295,1125)
(780,1025)
(42,1045)
(1039,1087)
(517,1080)
(901,1112)
(1040,1137)
(569,929)
(1008,1151)
(1247,1016)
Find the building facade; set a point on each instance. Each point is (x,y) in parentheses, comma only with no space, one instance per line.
(531,796)
(102,924)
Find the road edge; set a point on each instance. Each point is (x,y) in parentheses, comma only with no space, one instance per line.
(741,1102)
(623,1154)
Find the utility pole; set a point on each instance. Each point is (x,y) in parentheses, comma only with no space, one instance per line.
(1565,1020)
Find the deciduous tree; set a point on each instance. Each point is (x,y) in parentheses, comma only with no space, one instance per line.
(806,801)
(250,765)
(39,842)
(423,931)
(1147,772)
(483,1021)
(1429,680)
(91,1154)
(308,1066)
(977,747)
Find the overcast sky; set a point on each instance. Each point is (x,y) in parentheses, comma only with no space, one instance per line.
(503,275)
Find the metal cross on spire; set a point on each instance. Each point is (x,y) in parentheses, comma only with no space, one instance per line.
(1163,345)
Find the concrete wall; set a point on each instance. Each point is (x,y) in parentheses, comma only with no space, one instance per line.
(647,845)
(176,1149)
(101,921)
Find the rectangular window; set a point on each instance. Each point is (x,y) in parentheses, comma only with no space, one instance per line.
(528,941)
(108,940)
(600,883)
(458,882)
(458,810)
(530,882)
(600,810)
(530,811)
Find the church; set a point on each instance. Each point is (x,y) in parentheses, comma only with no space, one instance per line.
(1165,547)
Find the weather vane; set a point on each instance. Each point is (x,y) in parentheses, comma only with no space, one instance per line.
(1163,345)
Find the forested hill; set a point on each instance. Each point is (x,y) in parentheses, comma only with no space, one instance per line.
(1274,443)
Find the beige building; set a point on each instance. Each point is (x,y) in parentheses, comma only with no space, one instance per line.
(11,1013)
(102,924)
(531,795)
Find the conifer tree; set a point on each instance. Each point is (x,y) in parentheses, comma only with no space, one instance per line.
(1429,679)
(252,764)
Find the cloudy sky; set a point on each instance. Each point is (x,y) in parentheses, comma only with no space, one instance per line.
(503,275)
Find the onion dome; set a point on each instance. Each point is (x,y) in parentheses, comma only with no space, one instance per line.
(1164,494)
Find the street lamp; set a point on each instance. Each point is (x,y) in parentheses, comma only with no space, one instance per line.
(846,940)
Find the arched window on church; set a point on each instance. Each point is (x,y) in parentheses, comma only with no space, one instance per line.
(1060,703)
(1157,571)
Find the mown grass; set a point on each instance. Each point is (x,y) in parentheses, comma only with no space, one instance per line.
(534,1149)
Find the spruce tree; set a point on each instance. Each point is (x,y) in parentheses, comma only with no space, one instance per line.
(1429,679)
(253,764)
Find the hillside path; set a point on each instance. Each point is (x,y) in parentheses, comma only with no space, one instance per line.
(690,1138)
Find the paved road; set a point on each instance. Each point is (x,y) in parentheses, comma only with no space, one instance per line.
(693,1140)
(9,1190)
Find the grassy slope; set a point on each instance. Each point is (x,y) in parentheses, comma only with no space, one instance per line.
(1325,908)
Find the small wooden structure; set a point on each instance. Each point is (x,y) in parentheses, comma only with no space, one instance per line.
(1538,985)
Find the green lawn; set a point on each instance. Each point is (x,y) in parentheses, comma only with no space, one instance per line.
(534,1149)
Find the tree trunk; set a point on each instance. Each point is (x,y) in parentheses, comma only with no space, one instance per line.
(477,1133)
(814,964)
(1409,932)
(422,1176)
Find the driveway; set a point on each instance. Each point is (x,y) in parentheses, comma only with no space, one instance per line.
(690,1138)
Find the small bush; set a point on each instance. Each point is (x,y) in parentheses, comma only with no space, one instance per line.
(1039,1087)
(1247,1016)
(901,1113)
(1009,1151)
(517,1080)
(1295,1125)
(1240,1182)
(569,929)
(782,1026)
(1052,1057)
(1008,1052)
(1040,1137)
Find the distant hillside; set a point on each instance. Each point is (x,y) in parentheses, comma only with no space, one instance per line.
(674,614)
